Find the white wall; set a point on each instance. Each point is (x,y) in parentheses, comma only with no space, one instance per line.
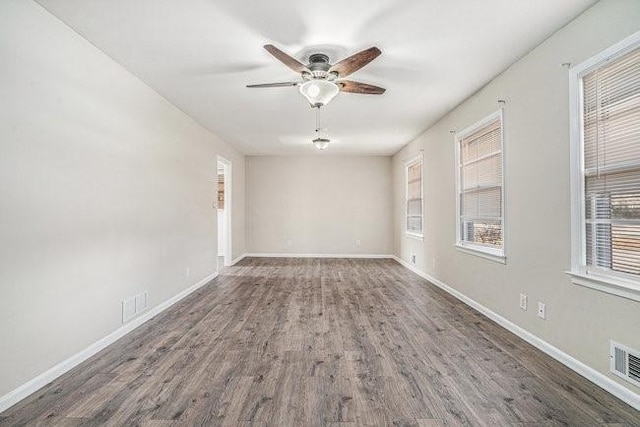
(580,321)
(106,190)
(320,204)
(221,232)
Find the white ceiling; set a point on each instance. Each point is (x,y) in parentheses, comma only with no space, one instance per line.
(200,54)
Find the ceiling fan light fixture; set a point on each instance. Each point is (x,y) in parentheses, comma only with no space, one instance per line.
(319,92)
(321,143)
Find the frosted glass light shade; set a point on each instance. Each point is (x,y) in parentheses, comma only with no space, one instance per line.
(319,92)
(321,143)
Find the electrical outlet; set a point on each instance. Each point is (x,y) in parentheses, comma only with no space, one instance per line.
(289,243)
(134,305)
(358,242)
(523,301)
(413,258)
(434,262)
(187,272)
(128,309)
(542,310)
(142,301)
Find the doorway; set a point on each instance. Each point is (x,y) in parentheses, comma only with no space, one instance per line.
(223,205)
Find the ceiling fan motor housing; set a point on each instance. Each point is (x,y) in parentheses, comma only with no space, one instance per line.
(319,66)
(319,61)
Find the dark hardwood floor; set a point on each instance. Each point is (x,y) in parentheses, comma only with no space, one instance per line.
(306,342)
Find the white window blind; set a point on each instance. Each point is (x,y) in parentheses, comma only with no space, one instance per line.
(611,153)
(480,181)
(414,197)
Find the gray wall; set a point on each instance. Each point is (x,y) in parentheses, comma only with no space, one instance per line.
(580,321)
(106,191)
(321,204)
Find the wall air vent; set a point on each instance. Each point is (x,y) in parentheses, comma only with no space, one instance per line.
(625,363)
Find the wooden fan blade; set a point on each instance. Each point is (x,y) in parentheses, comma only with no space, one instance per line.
(286,59)
(283,84)
(357,87)
(355,62)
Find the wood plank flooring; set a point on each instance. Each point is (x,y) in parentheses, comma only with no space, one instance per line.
(320,342)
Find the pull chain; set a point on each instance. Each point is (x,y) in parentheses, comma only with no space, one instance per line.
(320,141)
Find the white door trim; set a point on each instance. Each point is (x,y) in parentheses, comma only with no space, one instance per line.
(227,250)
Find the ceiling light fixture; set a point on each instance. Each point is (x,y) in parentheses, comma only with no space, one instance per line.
(319,92)
(321,143)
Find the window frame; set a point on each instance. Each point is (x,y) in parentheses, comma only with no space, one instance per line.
(407,164)
(616,283)
(493,254)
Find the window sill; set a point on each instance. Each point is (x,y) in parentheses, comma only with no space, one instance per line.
(471,250)
(611,285)
(414,235)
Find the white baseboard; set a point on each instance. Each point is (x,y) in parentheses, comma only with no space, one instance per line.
(50,375)
(283,255)
(238,259)
(586,371)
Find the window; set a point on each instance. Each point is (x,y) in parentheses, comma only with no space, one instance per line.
(480,205)
(413,179)
(606,170)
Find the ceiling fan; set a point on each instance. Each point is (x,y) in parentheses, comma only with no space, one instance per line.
(322,81)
